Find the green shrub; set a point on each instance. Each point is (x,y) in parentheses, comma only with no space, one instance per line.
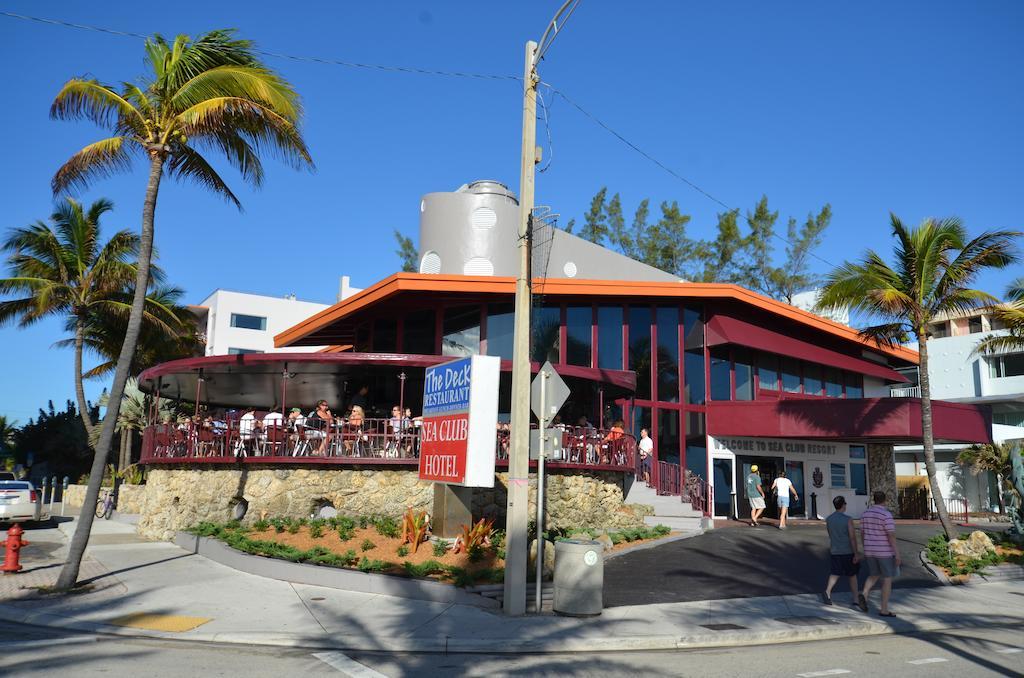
(498,538)
(402,551)
(232,525)
(440,548)
(367,565)
(616,537)
(261,525)
(500,553)
(345,533)
(387,527)
(316,528)
(349,557)
(278,524)
(205,529)
(475,553)
(424,569)
(367,545)
(661,530)
(364,522)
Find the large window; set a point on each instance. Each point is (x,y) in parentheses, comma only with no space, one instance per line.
(668,436)
(838,475)
(696,444)
(790,375)
(609,337)
(854,385)
(667,318)
(418,332)
(693,359)
(242,351)
(812,379)
(547,329)
(385,335)
(500,330)
(1011,365)
(640,349)
(744,374)
(578,321)
(833,383)
(859,479)
(461,332)
(721,373)
(248,322)
(768,372)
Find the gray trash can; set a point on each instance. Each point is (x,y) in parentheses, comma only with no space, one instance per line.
(579,577)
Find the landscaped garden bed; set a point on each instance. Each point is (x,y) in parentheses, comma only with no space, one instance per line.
(388,546)
(972,553)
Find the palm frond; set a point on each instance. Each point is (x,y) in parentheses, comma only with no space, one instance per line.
(188,164)
(89,99)
(255,83)
(887,334)
(103,158)
(992,249)
(1000,343)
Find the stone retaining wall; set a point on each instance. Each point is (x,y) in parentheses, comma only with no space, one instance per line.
(177,498)
(129,497)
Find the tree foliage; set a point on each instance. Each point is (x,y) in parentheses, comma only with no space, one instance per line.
(406,252)
(57,439)
(994,458)
(731,256)
(1011,315)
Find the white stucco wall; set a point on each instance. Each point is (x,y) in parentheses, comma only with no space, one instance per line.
(280,312)
(956,372)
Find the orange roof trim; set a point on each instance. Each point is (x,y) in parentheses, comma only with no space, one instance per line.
(421,282)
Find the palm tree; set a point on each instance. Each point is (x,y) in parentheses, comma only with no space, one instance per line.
(211,93)
(934,264)
(133,415)
(986,458)
(1011,314)
(7,430)
(66,270)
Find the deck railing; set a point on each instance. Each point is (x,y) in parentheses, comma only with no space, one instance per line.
(372,441)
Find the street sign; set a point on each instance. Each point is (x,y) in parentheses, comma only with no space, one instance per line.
(555,395)
(552,446)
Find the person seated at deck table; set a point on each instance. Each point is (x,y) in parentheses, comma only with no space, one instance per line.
(320,421)
(352,429)
(273,419)
(610,441)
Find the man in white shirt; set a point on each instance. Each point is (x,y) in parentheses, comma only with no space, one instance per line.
(783,487)
(646,448)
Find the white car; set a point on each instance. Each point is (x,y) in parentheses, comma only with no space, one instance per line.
(20,502)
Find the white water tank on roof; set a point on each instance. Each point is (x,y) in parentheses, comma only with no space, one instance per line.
(470,231)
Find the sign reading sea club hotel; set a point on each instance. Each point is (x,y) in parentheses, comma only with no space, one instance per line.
(460,416)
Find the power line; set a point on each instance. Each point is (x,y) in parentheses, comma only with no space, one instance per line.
(279,55)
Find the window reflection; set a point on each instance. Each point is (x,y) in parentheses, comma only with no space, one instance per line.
(667,319)
(790,375)
(693,361)
(640,349)
(609,337)
(721,374)
(578,321)
(500,329)
(546,330)
(418,332)
(461,331)
(744,374)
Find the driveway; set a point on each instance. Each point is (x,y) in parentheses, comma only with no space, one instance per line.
(745,562)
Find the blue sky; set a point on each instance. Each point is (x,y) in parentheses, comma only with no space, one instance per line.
(911,107)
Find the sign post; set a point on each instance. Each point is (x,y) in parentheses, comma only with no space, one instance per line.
(548,393)
(458,436)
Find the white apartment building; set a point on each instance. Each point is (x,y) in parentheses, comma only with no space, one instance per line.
(959,374)
(238,322)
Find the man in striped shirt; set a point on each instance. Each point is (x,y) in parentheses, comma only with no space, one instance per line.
(883,558)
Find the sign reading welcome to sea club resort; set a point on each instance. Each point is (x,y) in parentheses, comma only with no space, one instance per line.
(460,417)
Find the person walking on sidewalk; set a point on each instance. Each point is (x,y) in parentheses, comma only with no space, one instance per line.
(842,548)
(783,487)
(878,530)
(755,495)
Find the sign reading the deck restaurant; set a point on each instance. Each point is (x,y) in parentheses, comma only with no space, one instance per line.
(460,418)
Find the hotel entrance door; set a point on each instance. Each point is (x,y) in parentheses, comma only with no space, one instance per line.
(768,468)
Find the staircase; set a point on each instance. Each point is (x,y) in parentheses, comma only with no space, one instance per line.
(668,510)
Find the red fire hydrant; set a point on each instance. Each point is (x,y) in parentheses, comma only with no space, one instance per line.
(13,544)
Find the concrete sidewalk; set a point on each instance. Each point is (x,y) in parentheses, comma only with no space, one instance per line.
(138,586)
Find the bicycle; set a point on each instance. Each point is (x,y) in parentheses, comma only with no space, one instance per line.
(105,505)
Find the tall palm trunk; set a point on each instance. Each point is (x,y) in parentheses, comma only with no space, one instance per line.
(83,406)
(929,439)
(69,574)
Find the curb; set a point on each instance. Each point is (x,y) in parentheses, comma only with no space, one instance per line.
(330,577)
(652,544)
(993,573)
(464,645)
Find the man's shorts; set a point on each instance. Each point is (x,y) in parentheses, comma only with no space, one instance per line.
(783,501)
(883,567)
(757,502)
(843,565)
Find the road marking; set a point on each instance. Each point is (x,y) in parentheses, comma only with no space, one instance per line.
(829,672)
(1010,650)
(929,660)
(24,644)
(350,667)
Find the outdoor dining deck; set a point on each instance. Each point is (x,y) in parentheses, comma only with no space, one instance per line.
(377,441)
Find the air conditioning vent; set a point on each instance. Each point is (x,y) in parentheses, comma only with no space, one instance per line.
(478,266)
(430,263)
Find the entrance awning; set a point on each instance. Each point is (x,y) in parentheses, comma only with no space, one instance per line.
(727,330)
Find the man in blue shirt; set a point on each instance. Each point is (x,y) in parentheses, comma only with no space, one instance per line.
(842,547)
(755,495)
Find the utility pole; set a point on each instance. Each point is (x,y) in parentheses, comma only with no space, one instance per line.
(517,510)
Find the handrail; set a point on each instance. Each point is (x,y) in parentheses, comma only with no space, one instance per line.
(371,441)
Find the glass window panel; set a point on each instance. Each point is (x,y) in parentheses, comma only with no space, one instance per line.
(418,332)
(385,335)
(812,379)
(248,322)
(578,320)
(790,375)
(640,417)
(1013,365)
(667,318)
(242,351)
(723,487)
(640,349)
(461,331)
(546,328)
(833,382)
(668,436)
(721,373)
(693,359)
(858,452)
(609,337)
(696,444)
(768,371)
(859,479)
(500,330)
(744,374)
(838,475)
(854,385)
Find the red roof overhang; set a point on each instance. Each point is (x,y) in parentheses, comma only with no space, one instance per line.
(896,420)
(723,329)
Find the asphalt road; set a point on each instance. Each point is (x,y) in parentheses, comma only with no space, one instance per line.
(26,651)
(744,562)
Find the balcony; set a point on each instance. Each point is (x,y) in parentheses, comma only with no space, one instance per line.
(905,392)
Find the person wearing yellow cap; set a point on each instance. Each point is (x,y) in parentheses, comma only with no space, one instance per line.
(755,495)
